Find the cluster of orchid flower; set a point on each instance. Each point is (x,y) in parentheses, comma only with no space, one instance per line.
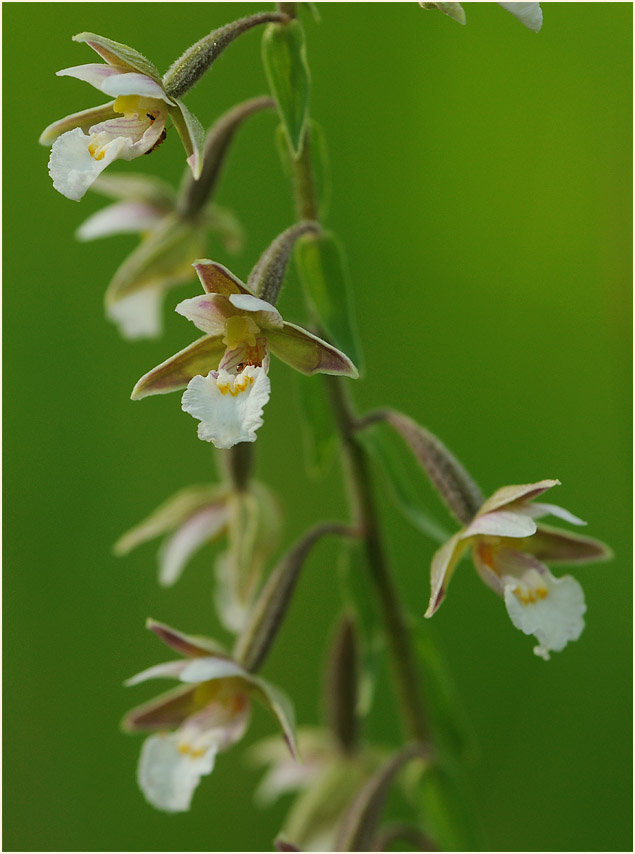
(225,384)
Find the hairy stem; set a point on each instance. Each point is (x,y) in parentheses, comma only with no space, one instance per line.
(363,502)
(192,65)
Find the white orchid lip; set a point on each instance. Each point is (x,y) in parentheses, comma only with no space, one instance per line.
(228,405)
(77,158)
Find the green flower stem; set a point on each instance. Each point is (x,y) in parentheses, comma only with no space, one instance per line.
(363,502)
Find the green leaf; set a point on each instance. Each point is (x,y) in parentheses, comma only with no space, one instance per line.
(286,68)
(318,429)
(445,811)
(324,275)
(402,484)
(454,738)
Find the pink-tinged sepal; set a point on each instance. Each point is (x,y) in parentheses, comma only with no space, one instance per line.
(177,371)
(515,495)
(190,646)
(83,120)
(167,710)
(444,563)
(217,279)
(307,353)
(554,545)
(119,55)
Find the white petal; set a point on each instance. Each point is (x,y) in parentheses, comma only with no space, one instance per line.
(132,83)
(138,315)
(228,407)
(551,609)
(95,73)
(502,523)
(177,549)
(537,510)
(529,14)
(71,166)
(246,302)
(120,218)
(167,670)
(167,776)
(206,669)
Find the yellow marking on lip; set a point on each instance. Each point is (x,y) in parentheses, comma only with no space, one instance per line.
(239,386)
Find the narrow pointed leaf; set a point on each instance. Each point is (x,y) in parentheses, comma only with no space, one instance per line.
(445,810)
(318,429)
(285,63)
(324,275)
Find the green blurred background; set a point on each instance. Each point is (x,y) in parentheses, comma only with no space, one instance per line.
(481,186)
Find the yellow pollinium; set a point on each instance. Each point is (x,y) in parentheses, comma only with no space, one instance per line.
(240,330)
(192,752)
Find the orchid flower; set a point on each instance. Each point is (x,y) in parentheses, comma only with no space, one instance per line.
(201,515)
(529,14)
(226,371)
(194,722)
(325,783)
(508,550)
(134,123)
(163,259)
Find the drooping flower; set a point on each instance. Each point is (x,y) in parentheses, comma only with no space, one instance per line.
(194,722)
(508,550)
(85,143)
(163,259)
(226,371)
(201,515)
(325,783)
(530,14)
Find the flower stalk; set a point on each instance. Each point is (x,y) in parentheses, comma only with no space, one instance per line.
(188,69)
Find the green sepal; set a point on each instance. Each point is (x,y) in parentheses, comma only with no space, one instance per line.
(163,259)
(401,481)
(322,268)
(284,58)
(120,55)
(192,135)
(318,429)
